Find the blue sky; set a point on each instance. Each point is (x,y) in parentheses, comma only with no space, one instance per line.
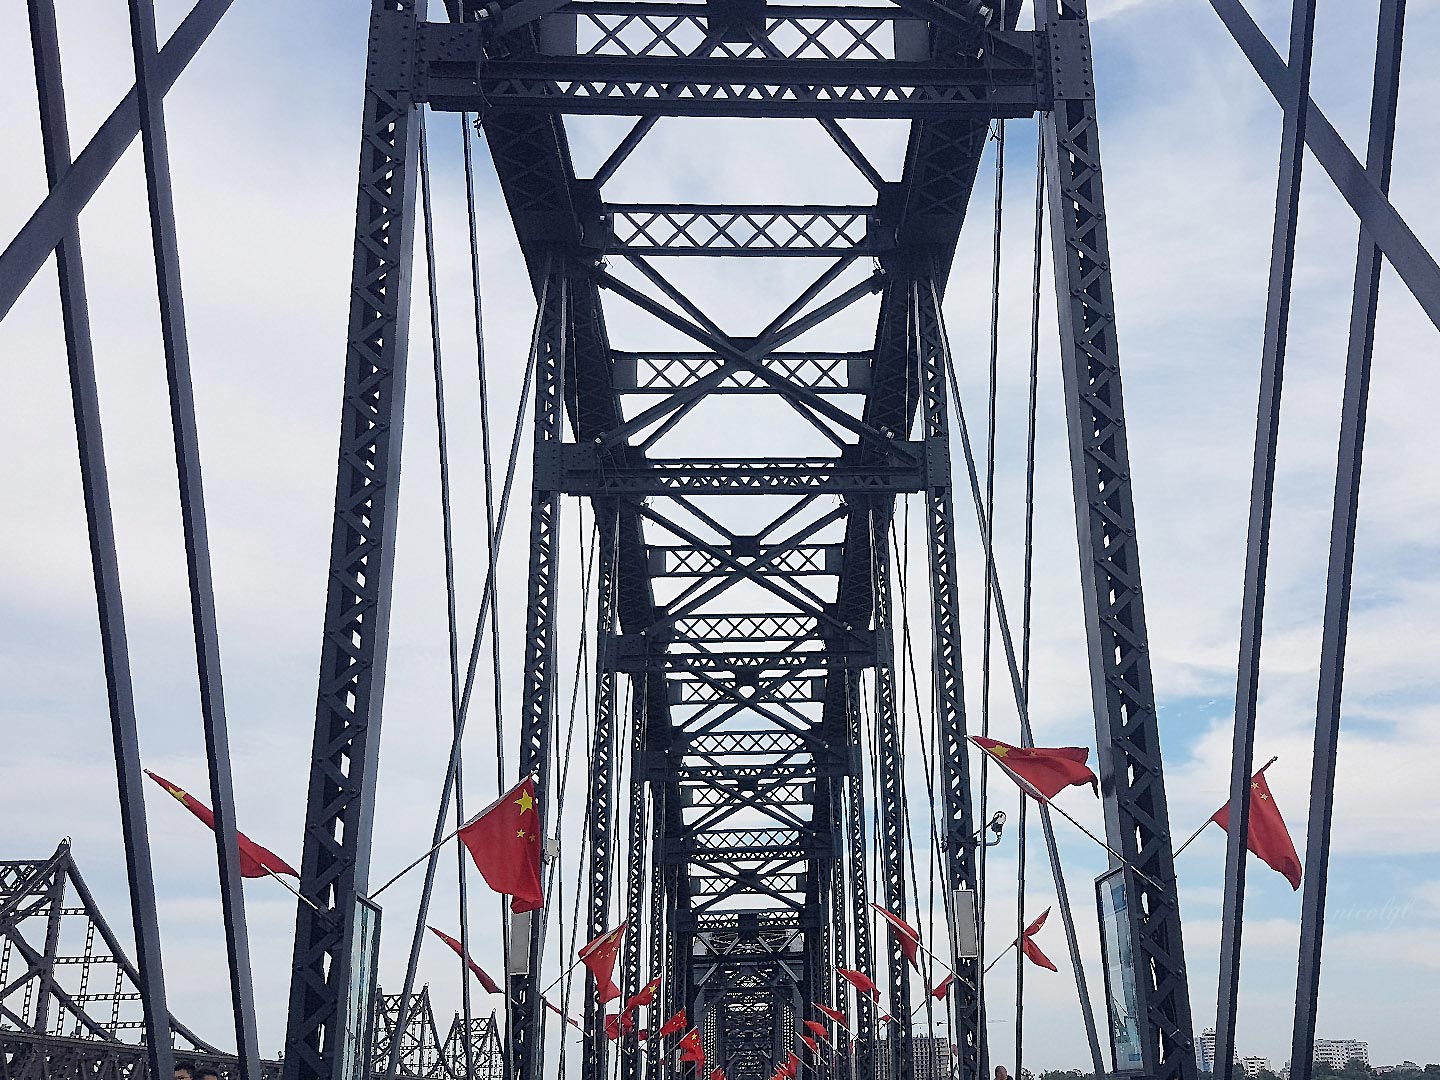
(263,133)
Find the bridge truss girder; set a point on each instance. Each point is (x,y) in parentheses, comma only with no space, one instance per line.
(792,898)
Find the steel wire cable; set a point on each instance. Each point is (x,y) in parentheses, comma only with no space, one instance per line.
(588,553)
(909,676)
(1008,644)
(997,230)
(927,760)
(486,608)
(1027,578)
(491,536)
(442,445)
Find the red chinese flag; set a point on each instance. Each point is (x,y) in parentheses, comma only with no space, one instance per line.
(818,1029)
(691,1049)
(255,861)
(1030,949)
(834,1014)
(556,1010)
(792,1064)
(906,934)
(860,981)
(1042,772)
(810,1044)
(504,841)
(943,987)
(717,1074)
(599,956)
(475,969)
(612,1026)
(674,1024)
(1269,838)
(627,1021)
(645,996)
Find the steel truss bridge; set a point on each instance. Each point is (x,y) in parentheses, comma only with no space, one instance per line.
(747,633)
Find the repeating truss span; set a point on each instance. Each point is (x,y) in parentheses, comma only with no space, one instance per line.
(744,466)
(746,597)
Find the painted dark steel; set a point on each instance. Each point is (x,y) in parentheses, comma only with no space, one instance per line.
(335,863)
(104,560)
(69,193)
(1415,265)
(1363,306)
(1296,102)
(1127,728)
(200,577)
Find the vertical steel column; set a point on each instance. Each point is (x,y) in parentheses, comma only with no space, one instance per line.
(1296,103)
(527,1014)
(335,863)
(864,1019)
(830,982)
(1368,261)
(968,1032)
(659,909)
(104,561)
(1137,820)
(891,778)
(603,767)
(635,872)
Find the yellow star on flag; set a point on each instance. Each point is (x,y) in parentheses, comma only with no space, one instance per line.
(525,802)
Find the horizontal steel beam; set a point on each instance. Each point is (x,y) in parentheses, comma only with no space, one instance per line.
(802,31)
(577,469)
(731,230)
(664,372)
(800,560)
(755,88)
(452,73)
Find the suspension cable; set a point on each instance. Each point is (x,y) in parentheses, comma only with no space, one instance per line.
(1057,873)
(989,531)
(486,607)
(491,535)
(1028,576)
(412,961)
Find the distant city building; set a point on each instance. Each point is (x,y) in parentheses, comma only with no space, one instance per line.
(930,1058)
(1254,1066)
(1205,1050)
(1337,1053)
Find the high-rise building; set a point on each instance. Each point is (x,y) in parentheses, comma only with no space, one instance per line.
(1254,1066)
(1205,1050)
(1337,1053)
(930,1055)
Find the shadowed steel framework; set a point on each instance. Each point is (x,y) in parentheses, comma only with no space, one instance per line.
(749,773)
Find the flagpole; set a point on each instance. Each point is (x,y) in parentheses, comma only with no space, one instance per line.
(445,840)
(1193,837)
(998,958)
(1104,845)
(574,964)
(298,894)
(448,837)
(1211,818)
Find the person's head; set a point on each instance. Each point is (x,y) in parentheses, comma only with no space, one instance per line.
(185,1070)
(1001,1073)
(206,1072)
